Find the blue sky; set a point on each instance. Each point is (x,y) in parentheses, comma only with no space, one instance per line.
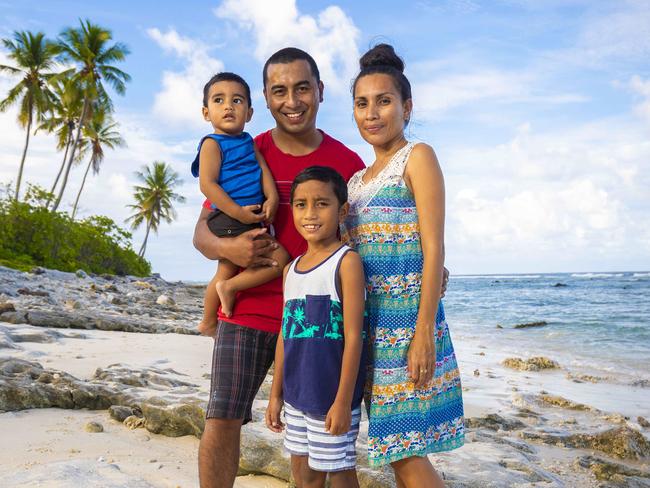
(539,113)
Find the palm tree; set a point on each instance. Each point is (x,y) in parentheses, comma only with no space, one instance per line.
(65,111)
(154,198)
(100,132)
(34,57)
(88,48)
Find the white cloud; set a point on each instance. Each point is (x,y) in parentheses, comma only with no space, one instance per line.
(330,37)
(435,98)
(449,6)
(179,101)
(623,33)
(610,34)
(567,215)
(563,194)
(642,87)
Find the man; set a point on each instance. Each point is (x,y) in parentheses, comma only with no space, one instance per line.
(245,342)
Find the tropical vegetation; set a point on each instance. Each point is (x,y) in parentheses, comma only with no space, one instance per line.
(154,199)
(34,57)
(63,88)
(32,235)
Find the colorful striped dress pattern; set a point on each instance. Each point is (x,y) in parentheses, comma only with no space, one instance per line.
(403,421)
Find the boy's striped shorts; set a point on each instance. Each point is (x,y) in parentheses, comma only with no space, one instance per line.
(306,436)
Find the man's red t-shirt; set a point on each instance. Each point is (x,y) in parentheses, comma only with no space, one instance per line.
(261,307)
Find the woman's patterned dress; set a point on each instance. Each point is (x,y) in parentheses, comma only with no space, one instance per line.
(383,227)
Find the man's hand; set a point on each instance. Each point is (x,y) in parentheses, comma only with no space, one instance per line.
(338,419)
(252,248)
(272,416)
(445,281)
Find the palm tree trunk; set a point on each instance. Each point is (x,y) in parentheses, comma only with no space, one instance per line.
(22,160)
(65,156)
(71,157)
(144,243)
(83,182)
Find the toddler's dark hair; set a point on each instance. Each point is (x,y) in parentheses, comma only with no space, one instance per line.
(326,175)
(383,59)
(226,76)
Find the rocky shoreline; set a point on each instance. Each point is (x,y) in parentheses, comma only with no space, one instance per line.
(128,347)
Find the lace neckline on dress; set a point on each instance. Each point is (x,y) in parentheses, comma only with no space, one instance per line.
(360,193)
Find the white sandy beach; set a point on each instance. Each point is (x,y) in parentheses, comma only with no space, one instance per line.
(36,443)
(524,427)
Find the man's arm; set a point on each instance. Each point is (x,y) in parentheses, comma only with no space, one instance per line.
(248,249)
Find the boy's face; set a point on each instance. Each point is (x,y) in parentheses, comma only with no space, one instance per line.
(293,95)
(228,109)
(317,212)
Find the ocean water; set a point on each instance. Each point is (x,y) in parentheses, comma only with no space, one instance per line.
(597,323)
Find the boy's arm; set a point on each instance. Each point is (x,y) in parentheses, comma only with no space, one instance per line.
(272,200)
(276,401)
(209,169)
(352,279)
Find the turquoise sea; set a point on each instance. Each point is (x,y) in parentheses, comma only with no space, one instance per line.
(597,323)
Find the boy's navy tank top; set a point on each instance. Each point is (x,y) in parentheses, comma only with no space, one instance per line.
(313,336)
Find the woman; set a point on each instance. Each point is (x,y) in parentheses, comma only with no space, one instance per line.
(396,223)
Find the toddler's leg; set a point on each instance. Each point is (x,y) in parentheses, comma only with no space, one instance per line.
(344,479)
(211,301)
(249,278)
(208,326)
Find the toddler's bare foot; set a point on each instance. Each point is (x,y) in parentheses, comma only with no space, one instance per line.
(227,297)
(207,328)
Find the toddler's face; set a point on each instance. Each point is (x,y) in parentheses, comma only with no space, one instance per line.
(228,109)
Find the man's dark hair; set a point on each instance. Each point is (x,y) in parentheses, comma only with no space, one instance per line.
(289,55)
(226,76)
(326,175)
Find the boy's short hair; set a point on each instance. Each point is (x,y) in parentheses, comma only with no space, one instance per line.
(226,76)
(289,55)
(324,174)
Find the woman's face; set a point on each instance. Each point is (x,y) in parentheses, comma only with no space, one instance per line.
(379,111)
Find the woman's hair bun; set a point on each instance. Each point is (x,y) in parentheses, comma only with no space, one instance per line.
(382,55)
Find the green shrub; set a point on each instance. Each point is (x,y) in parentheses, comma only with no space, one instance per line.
(32,235)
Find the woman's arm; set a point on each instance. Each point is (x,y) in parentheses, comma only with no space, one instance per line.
(352,279)
(424,177)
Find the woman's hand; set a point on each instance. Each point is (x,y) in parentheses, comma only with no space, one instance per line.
(421,358)
(445,281)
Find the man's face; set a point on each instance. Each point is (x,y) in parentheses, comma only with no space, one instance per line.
(293,95)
